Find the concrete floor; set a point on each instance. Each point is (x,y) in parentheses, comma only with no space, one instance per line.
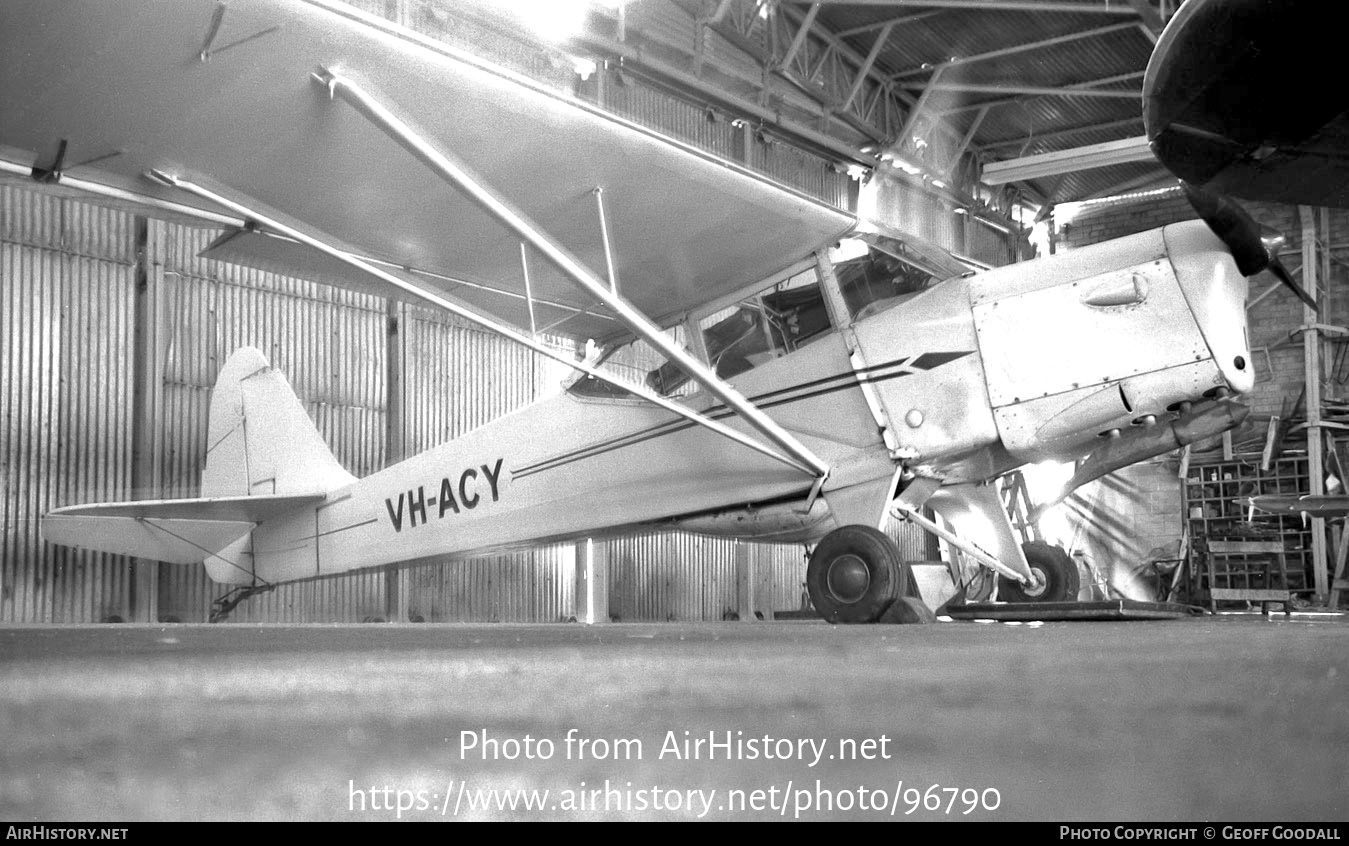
(1225,719)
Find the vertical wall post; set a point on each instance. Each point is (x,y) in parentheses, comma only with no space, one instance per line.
(145,395)
(395,591)
(592,581)
(395,403)
(1311,350)
(744,580)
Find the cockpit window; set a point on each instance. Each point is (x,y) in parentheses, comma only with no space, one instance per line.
(874,272)
(881,272)
(756,330)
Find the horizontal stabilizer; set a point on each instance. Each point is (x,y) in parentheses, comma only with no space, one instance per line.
(178,531)
(174,541)
(241,509)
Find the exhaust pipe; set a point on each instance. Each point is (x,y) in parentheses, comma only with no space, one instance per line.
(1152,440)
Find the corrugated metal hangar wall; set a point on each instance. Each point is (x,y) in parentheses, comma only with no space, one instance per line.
(84,287)
(69,329)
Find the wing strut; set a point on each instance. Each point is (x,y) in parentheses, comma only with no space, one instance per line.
(472,316)
(449,169)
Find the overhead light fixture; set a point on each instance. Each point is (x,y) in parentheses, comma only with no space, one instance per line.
(585,68)
(555,20)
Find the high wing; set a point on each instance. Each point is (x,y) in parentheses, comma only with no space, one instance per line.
(1217,92)
(226,95)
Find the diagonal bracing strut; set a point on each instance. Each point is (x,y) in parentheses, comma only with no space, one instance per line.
(453,307)
(446,166)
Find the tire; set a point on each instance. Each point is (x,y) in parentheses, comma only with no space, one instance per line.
(855,574)
(1051,563)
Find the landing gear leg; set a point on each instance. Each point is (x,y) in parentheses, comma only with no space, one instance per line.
(855,575)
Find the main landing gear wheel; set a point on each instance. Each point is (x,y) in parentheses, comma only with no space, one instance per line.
(855,574)
(1055,573)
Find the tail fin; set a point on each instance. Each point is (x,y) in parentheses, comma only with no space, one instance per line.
(261,441)
(264,458)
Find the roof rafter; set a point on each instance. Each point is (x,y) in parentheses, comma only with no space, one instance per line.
(1042,6)
(1036,90)
(902,19)
(1060,134)
(1076,86)
(1018,48)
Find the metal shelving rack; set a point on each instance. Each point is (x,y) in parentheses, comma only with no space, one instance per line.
(1240,546)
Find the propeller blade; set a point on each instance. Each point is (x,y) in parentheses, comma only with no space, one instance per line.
(1241,234)
(1276,267)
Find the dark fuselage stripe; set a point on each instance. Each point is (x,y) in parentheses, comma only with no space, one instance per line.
(342,529)
(719,412)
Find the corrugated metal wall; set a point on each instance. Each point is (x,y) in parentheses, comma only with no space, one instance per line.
(66,297)
(707,129)
(537,586)
(912,210)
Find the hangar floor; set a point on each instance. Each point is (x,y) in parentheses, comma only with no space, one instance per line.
(1227,718)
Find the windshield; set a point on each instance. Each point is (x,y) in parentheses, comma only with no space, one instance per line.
(879,271)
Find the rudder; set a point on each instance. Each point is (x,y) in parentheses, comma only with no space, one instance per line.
(261,442)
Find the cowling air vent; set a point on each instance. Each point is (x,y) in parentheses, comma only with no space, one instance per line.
(1124,290)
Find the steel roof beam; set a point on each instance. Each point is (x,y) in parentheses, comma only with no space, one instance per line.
(1060,134)
(802,32)
(867,65)
(1089,8)
(965,142)
(902,19)
(911,121)
(1034,90)
(1076,86)
(1019,48)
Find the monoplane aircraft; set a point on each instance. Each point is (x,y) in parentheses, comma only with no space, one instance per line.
(806,372)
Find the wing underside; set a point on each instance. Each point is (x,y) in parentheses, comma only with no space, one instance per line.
(1215,100)
(128,87)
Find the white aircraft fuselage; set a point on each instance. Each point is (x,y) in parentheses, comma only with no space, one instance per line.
(960,383)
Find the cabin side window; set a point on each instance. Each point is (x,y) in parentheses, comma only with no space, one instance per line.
(755,330)
(881,272)
(874,272)
(633,362)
